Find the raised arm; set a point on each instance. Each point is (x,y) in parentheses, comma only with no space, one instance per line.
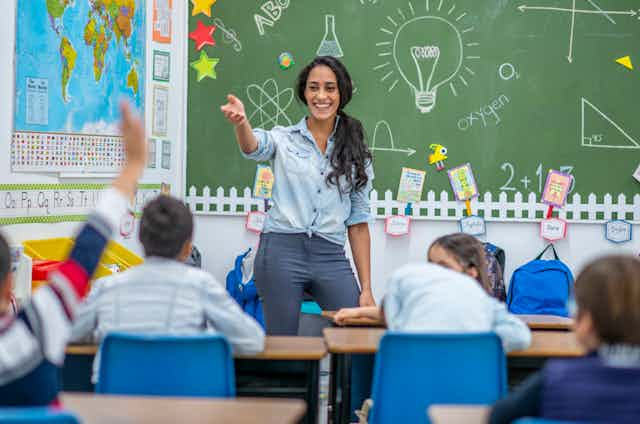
(28,376)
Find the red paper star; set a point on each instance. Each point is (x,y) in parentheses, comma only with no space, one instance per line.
(203,35)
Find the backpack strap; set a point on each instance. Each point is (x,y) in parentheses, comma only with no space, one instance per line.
(555,254)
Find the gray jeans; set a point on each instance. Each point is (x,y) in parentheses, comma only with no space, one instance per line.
(288,264)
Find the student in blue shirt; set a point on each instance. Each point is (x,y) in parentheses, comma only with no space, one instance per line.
(604,385)
(323,176)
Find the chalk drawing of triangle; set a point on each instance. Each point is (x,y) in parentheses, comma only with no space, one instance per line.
(624,142)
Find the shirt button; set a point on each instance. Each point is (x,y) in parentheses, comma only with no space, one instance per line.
(315,210)
(322,173)
(319,191)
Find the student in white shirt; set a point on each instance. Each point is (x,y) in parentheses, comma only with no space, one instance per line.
(432,298)
(164,295)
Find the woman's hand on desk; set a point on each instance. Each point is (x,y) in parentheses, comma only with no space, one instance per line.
(345,315)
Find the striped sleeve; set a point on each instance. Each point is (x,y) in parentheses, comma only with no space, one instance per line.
(40,332)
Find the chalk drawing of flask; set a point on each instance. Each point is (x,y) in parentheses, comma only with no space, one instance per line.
(330,46)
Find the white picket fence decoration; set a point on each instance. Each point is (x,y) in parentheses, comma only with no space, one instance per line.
(504,209)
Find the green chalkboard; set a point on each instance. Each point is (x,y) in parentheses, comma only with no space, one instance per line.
(519,86)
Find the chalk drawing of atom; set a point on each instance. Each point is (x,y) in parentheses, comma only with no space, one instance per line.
(270,103)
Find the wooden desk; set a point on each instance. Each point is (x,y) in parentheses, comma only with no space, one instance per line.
(99,409)
(547,322)
(535,322)
(458,414)
(342,342)
(288,348)
(275,347)
(551,344)
(287,367)
(354,322)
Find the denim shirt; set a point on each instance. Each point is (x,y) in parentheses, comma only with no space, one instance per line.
(302,200)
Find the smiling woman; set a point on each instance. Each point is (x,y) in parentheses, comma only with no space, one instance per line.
(323,176)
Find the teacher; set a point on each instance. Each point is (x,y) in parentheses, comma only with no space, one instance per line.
(323,176)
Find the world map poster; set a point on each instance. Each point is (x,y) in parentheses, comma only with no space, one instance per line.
(75,61)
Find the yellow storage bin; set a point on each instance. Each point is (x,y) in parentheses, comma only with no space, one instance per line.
(57,249)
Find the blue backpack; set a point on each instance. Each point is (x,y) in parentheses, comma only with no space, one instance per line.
(245,294)
(541,287)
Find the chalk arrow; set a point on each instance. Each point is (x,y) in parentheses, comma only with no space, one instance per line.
(524,8)
(408,151)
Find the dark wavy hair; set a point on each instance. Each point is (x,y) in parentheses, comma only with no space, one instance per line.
(469,252)
(350,151)
(166,225)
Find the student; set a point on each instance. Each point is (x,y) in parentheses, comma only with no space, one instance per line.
(448,295)
(603,386)
(323,176)
(32,344)
(164,294)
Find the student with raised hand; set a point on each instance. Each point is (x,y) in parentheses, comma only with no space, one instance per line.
(604,385)
(164,295)
(323,176)
(449,294)
(32,344)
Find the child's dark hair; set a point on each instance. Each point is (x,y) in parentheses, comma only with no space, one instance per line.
(469,252)
(609,289)
(166,225)
(5,260)
(350,152)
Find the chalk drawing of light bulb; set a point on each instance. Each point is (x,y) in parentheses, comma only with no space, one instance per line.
(428,52)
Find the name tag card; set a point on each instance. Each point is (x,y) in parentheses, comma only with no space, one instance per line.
(397,225)
(473,225)
(255,221)
(618,231)
(263,184)
(553,229)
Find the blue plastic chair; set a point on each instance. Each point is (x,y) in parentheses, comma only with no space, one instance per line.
(413,371)
(36,415)
(195,365)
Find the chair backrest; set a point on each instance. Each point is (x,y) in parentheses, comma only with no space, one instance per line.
(194,365)
(35,415)
(413,371)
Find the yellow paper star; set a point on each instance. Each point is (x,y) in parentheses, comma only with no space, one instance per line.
(202,6)
(205,66)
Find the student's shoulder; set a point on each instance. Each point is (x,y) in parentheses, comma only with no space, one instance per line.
(200,277)
(560,369)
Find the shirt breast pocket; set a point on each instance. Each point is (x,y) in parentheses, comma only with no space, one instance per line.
(298,159)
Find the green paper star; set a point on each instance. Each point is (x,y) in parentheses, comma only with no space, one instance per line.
(205,66)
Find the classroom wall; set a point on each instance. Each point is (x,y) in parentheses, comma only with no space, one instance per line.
(176,128)
(221,239)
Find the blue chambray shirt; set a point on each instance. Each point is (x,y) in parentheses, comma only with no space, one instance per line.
(302,200)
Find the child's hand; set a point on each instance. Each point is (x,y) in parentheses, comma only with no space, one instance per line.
(135,146)
(234,110)
(345,314)
(133,137)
